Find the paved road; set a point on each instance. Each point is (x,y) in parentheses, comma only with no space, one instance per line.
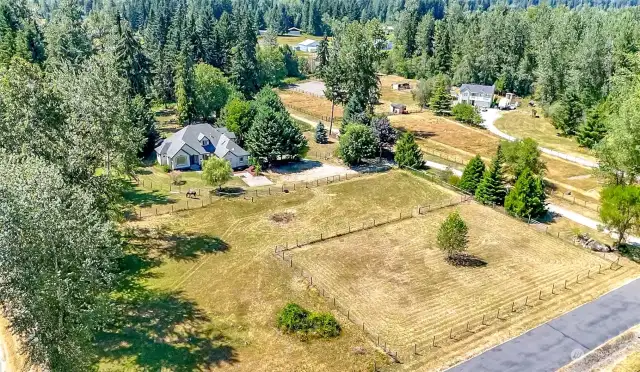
(556,343)
(491,115)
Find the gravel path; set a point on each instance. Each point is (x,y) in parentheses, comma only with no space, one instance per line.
(489,118)
(313,123)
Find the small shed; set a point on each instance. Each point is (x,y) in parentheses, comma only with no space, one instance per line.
(398,108)
(401,86)
(294,31)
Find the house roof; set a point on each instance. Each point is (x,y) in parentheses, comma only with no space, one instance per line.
(221,141)
(398,105)
(294,29)
(475,88)
(308,42)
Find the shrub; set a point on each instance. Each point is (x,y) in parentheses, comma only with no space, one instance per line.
(465,113)
(165,168)
(453,180)
(295,319)
(324,325)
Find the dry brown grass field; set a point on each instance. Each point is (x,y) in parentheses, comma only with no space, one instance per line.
(463,142)
(219,287)
(308,104)
(396,280)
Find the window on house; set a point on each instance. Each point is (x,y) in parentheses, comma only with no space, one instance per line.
(205,142)
(181,160)
(241,158)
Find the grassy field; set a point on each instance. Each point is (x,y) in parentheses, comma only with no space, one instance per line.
(210,289)
(388,95)
(630,364)
(463,142)
(295,40)
(396,280)
(519,123)
(317,107)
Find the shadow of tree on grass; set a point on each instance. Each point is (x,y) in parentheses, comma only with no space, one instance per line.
(152,329)
(162,330)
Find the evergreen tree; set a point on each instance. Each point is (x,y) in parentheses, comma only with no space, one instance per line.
(66,39)
(273,134)
(442,48)
(131,60)
(323,54)
(440,102)
(527,197)
(594,128)
(321,134)
(185,90)
(408,153)
(491,189)
(568,114)
(244,64)
(472,175)
(354,111)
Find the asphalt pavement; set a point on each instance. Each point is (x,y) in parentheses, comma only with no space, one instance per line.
(558,342)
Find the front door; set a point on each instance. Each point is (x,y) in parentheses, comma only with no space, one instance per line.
(194,159)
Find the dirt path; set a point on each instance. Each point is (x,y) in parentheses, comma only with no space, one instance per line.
(335,131)
(491,115)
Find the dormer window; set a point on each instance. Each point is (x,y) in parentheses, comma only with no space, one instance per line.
(205,142)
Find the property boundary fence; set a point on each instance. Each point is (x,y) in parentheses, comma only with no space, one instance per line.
(531,298)
(335,303)
(315,116)
(205,197)
(526,300)
(298,242)
(569,198)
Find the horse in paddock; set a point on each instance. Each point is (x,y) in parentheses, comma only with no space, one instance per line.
(191,193)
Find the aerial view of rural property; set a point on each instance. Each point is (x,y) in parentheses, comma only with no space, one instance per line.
(319,185)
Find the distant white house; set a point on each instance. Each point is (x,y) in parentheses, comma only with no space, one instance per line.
(262,32)
(294,31)
(476,95)
(191,145)
(388,29)
(507,102)
(309,45)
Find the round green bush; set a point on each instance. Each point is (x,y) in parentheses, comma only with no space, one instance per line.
(293,318)
(324,325)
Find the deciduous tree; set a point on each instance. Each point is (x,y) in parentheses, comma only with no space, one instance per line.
(620,210)
(357,143)
(452,235)
(216,171)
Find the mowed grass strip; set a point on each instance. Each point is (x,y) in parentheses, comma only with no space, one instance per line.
(396,281)
(220,258)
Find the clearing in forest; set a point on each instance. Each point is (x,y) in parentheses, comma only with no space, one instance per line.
(395,280)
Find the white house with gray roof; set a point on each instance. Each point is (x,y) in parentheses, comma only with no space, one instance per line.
(187,148)
(476,95)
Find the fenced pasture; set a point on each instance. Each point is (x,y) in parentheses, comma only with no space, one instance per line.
(393,282)
(310,104)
